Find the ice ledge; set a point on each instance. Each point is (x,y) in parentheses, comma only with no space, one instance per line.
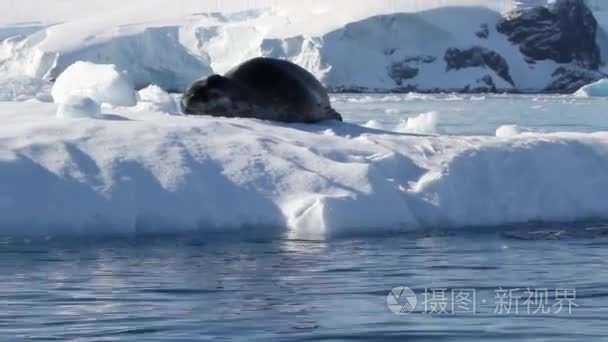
(137,172)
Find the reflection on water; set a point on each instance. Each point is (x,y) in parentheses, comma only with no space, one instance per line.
(192,289)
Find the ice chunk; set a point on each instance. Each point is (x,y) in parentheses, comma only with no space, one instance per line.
(596,89)
(374,124)
(425,123)
(508,131)
(100,82)
(76,106)
(154,98)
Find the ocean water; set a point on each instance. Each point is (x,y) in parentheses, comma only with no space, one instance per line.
(532,282)
(479,114)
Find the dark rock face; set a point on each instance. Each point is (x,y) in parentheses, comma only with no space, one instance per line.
(407,68)
(566,33)
(478,57)
(483,85)
(569,80)
(402,71)
(489,81)
(484,32)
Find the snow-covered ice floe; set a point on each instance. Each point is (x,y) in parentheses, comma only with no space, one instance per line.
(130,172)
(596,89)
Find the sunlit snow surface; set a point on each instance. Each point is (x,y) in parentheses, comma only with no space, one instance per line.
(135,172)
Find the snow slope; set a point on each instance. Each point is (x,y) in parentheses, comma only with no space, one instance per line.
(135,172)
(410,51)
(358,55)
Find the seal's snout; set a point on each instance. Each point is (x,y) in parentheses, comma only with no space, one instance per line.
(185,103)
(206,97)
(333,115)
(202,99)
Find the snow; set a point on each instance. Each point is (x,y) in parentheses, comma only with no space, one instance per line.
(76,106)
(596,89)
(101,83)
(148,172)
(24,88)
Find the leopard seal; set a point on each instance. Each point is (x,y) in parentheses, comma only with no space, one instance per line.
(262,88)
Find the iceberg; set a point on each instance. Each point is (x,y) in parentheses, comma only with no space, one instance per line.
(596,89)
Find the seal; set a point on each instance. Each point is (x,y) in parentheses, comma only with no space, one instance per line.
(262,88)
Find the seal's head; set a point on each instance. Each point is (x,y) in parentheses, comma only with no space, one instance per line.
(209,96)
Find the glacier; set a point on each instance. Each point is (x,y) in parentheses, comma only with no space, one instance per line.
(367,47)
